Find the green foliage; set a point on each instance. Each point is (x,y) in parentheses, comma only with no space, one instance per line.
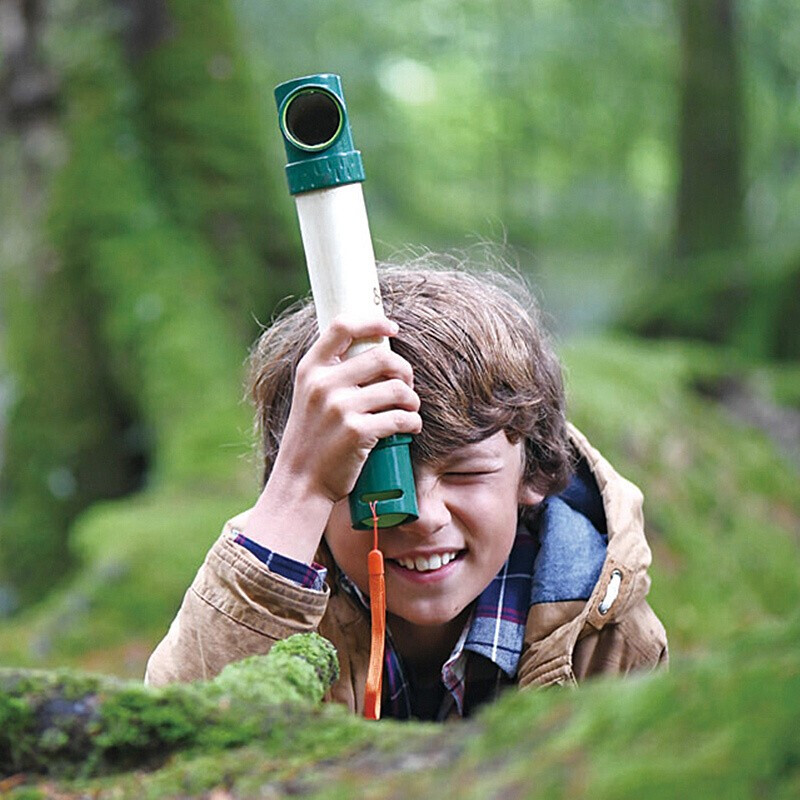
(478,117)
(554,127)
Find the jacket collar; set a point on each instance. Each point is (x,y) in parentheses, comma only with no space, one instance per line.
(623,579)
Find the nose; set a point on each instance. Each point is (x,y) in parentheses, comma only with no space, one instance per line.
(431,505)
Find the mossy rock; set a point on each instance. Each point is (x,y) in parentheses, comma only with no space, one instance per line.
(68,723)
(718,726)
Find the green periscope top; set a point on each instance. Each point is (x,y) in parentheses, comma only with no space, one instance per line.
(316,133)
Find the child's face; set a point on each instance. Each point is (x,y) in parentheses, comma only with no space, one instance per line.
(467,522)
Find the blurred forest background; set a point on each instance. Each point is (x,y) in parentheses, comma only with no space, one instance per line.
(639,161)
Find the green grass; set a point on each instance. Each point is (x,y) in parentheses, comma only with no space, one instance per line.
(722,506)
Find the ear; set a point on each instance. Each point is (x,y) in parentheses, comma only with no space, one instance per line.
(528,496)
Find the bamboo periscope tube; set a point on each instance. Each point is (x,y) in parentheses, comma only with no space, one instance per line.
(325,173)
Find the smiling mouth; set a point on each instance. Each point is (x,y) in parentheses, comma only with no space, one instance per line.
(428,563)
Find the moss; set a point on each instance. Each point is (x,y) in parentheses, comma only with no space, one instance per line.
(68,723)
(299,669)
(201,122)
(56,438)
(719,727)
(15,717)
(27,793)
(123,600)
(722,506)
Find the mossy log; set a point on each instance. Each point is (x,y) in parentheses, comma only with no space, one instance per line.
(724,725)
(67,723)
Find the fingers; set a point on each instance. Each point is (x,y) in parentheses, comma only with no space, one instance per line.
(386,423)
(378,363)
(372,412)
(367,396)
(371,381)
(382,396)
(321,371)
(355,410)
(335,340)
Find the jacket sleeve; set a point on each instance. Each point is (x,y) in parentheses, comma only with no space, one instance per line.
(636,641)
(234,608)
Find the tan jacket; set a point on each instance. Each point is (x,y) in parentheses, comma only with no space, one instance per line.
(236,608)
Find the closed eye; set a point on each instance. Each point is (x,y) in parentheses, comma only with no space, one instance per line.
(473,474)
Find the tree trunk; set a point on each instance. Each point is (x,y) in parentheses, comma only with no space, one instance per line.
(710,191)
(702,287)
(65,445)
(202,127)
(156,248)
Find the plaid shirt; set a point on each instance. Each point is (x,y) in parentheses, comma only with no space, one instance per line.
(312,577)
(559,558)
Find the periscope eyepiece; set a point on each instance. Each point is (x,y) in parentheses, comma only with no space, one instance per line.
(312,119)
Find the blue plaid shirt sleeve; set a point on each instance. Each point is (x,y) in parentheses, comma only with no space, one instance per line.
(309,577)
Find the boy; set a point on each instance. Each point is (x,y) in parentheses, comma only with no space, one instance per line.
(528,563)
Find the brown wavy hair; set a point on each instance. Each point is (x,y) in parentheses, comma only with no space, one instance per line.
(482,363)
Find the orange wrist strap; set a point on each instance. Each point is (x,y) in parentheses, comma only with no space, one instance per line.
(377,603)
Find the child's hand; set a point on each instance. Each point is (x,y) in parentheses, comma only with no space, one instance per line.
(340,409)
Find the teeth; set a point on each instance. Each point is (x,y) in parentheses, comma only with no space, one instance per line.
(423,564)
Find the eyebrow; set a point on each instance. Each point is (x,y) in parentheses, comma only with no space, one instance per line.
(465,454)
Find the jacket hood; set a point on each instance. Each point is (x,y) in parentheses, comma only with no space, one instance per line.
(554,627)
(628,551)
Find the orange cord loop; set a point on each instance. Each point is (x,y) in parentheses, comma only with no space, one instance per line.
(377,603)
